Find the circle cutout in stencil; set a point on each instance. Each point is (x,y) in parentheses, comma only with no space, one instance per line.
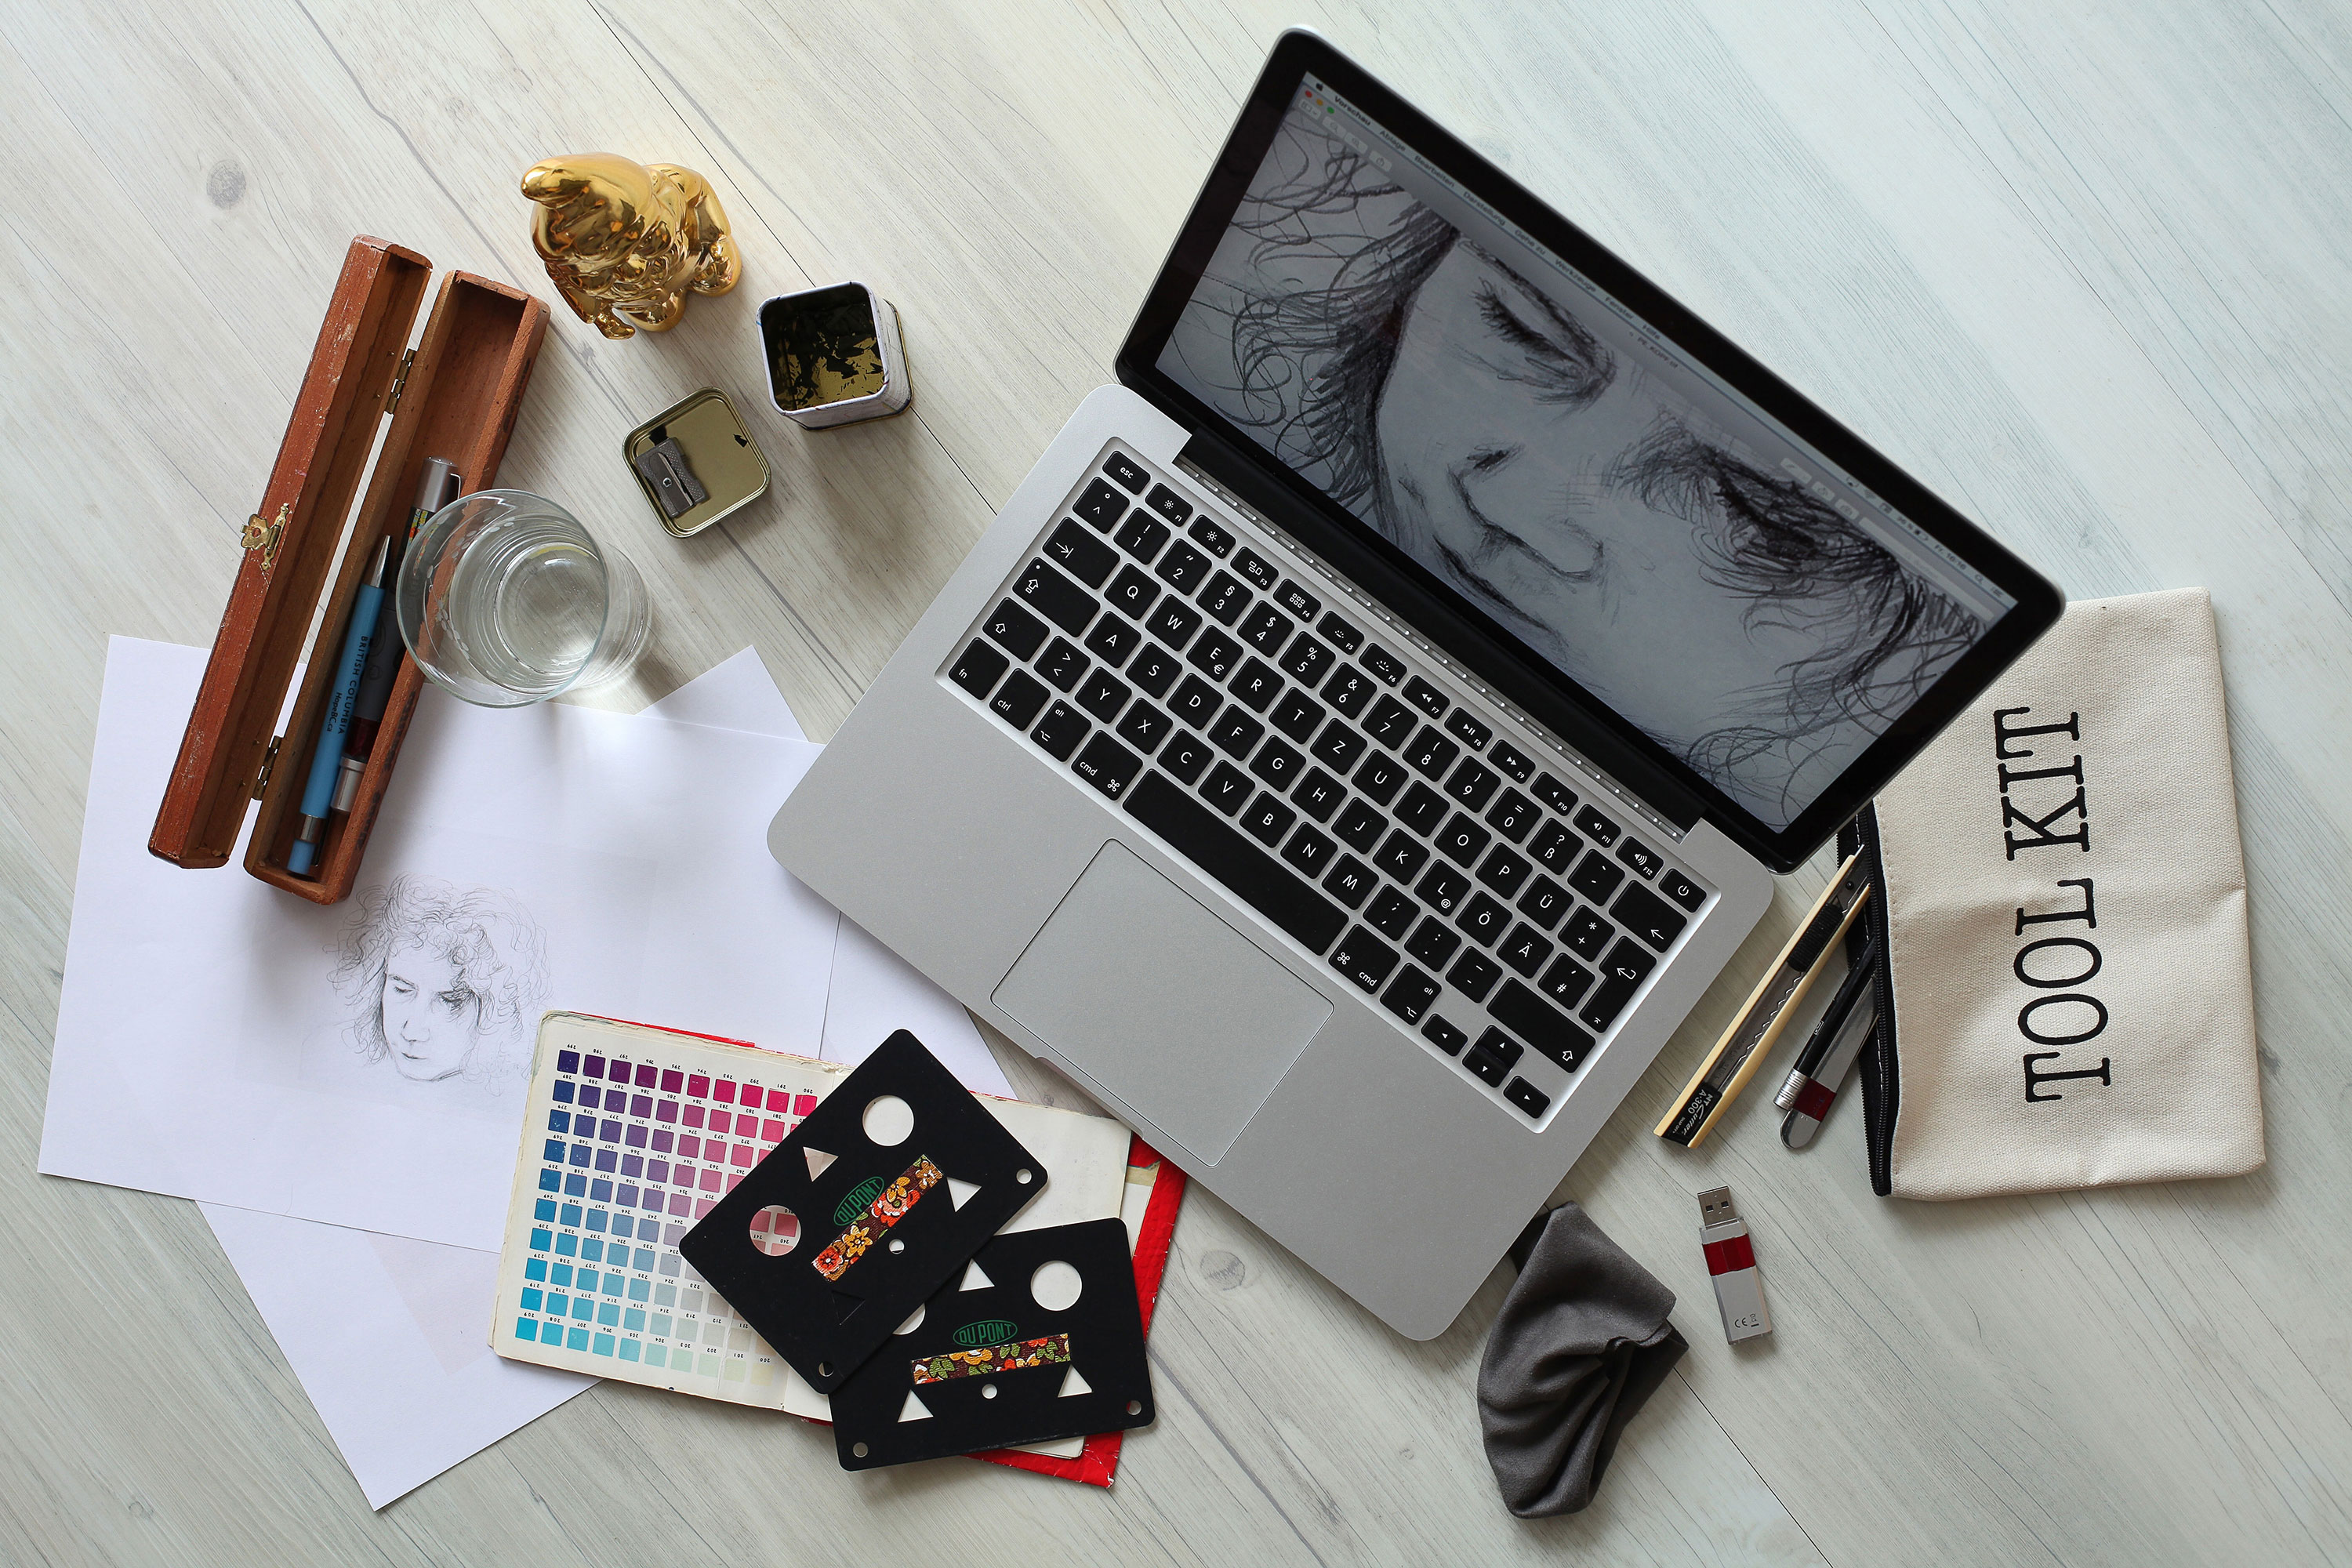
(887,1120)
(1055,1286)
(859,1449)
(987,1390)
(775,1230)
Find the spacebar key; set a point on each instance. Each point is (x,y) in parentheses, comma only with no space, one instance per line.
(1240,867)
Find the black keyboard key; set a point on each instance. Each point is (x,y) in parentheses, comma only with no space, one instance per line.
(1134,594)
(1108,766)
(1380,776)
(1015,629)
(1267,819)
(1186,756)
(1277,764)
(1410,994)
(1168,504)
(1465,728)
(1649,917)
(1566,981)
(1595,877)
(1442,1035)
(1621,974)
(1474,975)
(1392,913)
(1426,697)
(1364,958)
(1265,630)
(1505,872)
(1422,809)
(1554,794)
(1556,847)
(1143,537)
(1127,471)
(1309,851)
(1062,666)
(1390,722)
(1173,622)
(1473,783)
(1297,715)
(1103,695)
(1508,758)
(1081,554)
(1340,634)
(1531,1018)
(1196,702)
(1225,598)
(1587,935)
(1481,920)
(1307,661)
(1461,840)
(1430,752)
(1682,890)
(1112,640)
(1339,746)
(1383,664)
(1350,882)
(1017,700)
(1493,1057)
(1183,568)
(1145,727)
(1433,943)
(1358,825)
(1257,568)
(1234,733)
(1644,861)
(1512,815)
(1060,730)
(1154,671)
(1528,1097)
(1100,505)
(1318,795)
(1350,692)
(1597,827)
(1214,654)
(979,670)
(1544,902)
(1235,864)
(1212,538)
(1226,788)
(1297,601)
(1444,889)
(1256,687)
(1525,950)
(1402,856)
(1055,597)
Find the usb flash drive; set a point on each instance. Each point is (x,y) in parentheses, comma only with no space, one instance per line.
(1738,1288)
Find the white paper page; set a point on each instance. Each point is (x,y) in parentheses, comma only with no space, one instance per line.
(214,1035)
(737,693)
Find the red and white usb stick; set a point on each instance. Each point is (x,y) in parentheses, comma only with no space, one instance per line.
(1738,1288)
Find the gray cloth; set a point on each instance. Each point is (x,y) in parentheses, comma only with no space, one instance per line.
(1581,1342)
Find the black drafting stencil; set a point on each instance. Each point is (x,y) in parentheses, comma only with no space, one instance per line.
(869,1229)
(1001,1356)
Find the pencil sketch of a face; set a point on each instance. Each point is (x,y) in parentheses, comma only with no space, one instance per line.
(442,982)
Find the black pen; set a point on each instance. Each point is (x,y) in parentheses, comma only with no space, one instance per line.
(1858,977)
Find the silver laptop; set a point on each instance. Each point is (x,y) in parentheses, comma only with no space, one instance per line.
(1375,720)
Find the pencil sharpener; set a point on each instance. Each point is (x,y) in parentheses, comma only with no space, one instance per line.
(696,463)
(833,356)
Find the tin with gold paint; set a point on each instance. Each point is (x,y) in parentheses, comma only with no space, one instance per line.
(833,356)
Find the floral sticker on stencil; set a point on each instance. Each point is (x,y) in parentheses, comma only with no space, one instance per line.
(984,1360)
(887,1208)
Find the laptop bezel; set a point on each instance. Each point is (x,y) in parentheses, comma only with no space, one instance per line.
(1450,621)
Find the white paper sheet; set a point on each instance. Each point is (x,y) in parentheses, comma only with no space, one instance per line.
(214,1035)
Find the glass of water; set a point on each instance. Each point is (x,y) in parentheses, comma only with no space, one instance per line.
(505,599)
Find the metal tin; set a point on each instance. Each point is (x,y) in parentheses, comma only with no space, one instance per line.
(833,356)
(713,453)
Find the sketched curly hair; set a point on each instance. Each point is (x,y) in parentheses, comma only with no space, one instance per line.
(489,939)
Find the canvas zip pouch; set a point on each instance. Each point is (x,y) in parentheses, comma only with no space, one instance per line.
(2066,995)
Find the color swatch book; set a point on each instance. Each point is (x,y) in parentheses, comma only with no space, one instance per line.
(631,1135)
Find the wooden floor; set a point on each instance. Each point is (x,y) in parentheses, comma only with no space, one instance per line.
(2085,268)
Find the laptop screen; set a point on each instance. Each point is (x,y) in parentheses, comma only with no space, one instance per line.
(1654,535)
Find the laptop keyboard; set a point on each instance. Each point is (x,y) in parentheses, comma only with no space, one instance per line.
(1354,796)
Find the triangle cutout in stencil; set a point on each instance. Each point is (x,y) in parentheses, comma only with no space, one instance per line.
(846,1305)
(914,1409)
(973,1280)
(959,1192)
(1072,1385)
(817,1160)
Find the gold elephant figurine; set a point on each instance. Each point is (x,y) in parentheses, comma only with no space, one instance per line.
(624,241)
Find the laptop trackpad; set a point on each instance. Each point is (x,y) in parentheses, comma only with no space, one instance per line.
(1161,1002)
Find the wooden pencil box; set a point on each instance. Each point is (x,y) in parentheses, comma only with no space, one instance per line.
(454,396)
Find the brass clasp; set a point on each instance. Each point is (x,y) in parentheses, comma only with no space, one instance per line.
(266,537)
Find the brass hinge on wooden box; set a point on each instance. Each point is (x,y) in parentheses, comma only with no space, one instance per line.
(266,536)
(268,761)
(399,383)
